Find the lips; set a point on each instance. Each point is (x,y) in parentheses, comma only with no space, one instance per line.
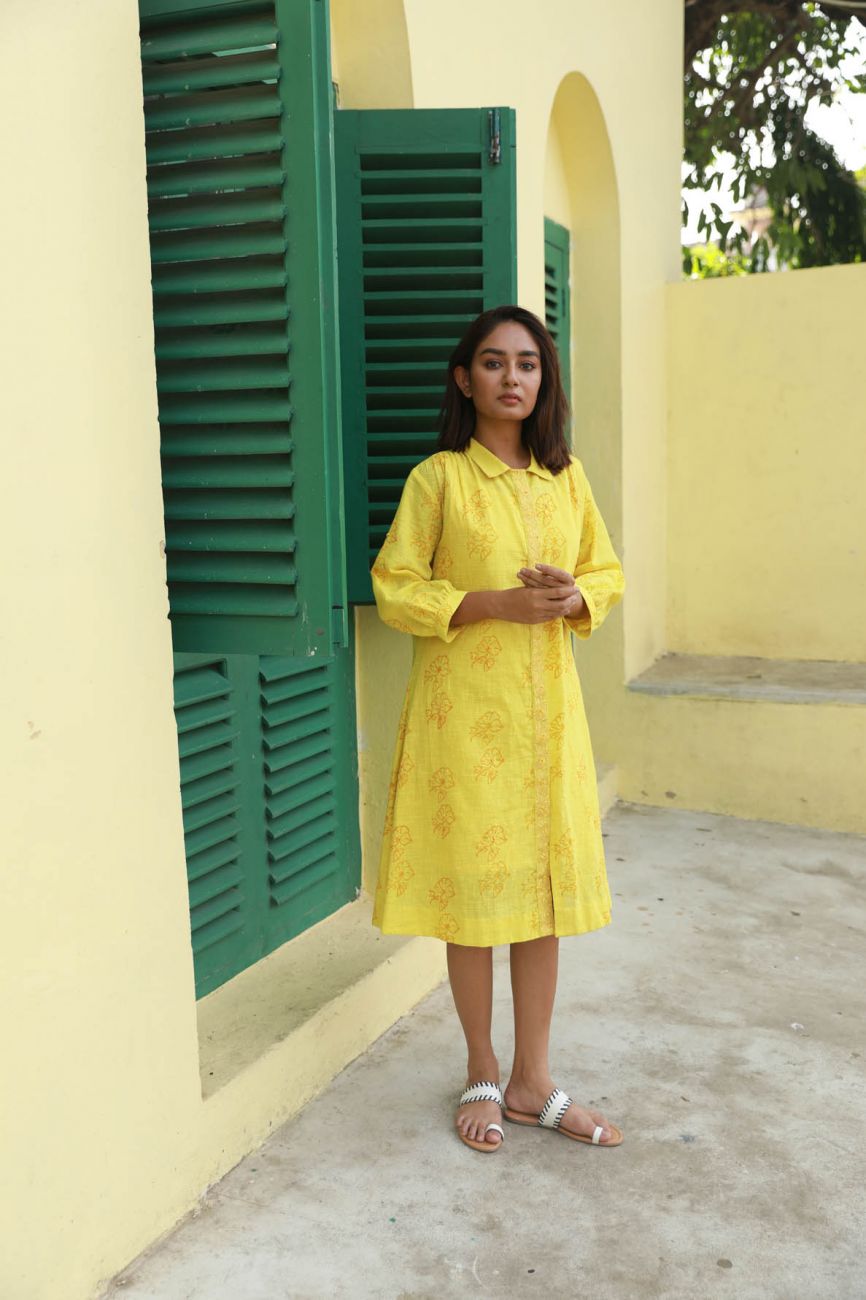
(511,400)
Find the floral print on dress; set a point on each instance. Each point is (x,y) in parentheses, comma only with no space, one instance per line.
(442,892)
(486,652)
(492,792)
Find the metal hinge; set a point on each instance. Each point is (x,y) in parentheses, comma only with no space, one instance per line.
(495,137)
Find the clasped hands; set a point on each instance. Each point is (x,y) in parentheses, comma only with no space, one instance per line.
(549,593)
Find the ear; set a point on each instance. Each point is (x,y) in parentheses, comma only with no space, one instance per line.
(461,378)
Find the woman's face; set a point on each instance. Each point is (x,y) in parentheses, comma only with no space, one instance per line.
(505,375)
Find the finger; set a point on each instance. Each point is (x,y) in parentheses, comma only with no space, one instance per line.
(562,574)
(543,580)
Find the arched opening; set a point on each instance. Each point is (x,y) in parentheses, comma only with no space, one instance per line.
(580,193)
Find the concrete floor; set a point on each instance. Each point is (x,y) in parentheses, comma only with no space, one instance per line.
(718,1021)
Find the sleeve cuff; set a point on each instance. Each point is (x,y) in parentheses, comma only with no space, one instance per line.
(450,602)
(583,625)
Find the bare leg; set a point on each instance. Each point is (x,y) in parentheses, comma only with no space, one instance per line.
(534,968)
(470,971)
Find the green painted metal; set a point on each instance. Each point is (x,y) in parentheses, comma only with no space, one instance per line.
(269,801)
(240,183)
(426,230)
(557,294)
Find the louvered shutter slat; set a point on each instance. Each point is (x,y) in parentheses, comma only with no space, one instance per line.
(557,294)
(235,106)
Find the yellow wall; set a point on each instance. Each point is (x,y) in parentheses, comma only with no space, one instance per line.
(103,1074)
(767,519)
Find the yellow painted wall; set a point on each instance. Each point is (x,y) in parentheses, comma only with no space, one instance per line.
(100,1074)
(766,483)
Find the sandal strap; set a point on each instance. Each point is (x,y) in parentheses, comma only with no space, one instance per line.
(485,1090)
(498,1127)
(596,1134)
(554,1109)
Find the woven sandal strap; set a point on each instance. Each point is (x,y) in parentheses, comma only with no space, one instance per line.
(485,1090)
(554,1109)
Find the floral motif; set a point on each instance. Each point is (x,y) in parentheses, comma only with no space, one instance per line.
(488,765)
(486,727)
(553,545)
(488,846)
(568,881)
(477,507)
(401,838)
(437,670)
(564,848)
(480,540)
(442,892)
(555,660)
(484,655)
(405,770)
(443,820)
(446,926)
(440,782)
(400,878)
(545,506)
(439,708)
(493,881)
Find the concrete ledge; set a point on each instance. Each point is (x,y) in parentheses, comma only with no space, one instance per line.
(780,681)
(342,983)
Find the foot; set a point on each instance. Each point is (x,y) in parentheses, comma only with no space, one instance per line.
(473,1118)
(530,1098)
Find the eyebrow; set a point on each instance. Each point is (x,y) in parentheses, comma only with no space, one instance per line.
(500,352)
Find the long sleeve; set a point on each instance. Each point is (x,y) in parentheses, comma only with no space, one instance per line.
(408,597)
(598,572)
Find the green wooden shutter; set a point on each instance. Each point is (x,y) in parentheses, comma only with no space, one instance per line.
(240,182)
(269,801)
(426,228)
(557,295)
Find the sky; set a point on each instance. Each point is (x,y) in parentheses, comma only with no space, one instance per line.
(843,124)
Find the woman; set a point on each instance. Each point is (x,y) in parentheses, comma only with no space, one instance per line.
(496,554)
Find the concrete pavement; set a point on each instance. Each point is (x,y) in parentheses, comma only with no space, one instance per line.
(718,1020)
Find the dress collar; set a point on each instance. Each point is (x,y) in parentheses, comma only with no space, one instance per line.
(492,465)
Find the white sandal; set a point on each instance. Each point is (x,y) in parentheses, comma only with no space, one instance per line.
(552,1114)
(483,1091)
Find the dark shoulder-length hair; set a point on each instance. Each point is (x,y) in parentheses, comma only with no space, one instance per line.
(543,430)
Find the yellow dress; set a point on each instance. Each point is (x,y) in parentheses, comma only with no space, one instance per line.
(492,832)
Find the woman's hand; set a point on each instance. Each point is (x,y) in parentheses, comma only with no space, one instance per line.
(547,594)
(557,582)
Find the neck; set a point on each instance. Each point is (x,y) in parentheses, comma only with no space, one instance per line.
(502,437)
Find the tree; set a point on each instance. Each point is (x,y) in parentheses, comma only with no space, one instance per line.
(751,69)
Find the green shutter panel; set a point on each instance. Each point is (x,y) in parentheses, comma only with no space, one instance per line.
(557,295)
(426,228)
(269,802)
(239,173)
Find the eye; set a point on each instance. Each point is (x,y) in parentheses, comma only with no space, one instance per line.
(529,365)
(490,362)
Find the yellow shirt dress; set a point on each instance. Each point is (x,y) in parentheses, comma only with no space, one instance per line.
(492,832)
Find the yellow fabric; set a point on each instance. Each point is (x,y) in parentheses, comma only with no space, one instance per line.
(492,831)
